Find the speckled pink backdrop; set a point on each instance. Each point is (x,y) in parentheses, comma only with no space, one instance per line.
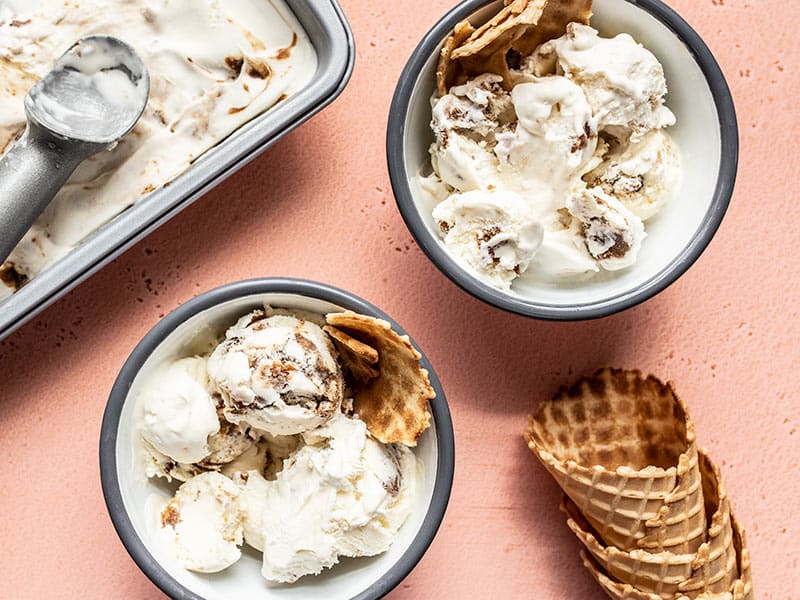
(319,205)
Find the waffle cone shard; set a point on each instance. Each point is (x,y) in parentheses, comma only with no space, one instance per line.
(520,27)
(358,358)
(618,445)
(450,71)
(394,405)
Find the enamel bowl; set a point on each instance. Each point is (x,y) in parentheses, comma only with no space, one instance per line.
(130,496)
(706,135)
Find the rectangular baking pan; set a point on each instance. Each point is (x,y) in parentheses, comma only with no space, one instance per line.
(330,34)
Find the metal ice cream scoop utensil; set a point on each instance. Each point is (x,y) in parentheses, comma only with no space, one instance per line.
(93,96)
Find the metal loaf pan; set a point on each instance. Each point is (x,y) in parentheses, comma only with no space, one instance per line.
(330,34)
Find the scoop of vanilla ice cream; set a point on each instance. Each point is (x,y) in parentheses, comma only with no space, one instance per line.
(177,412)
(203,521)
(465,123)
(493,233)
(563,254)
(252,499)
(158,464)
(335,485)
(612,233)
(278,374)
(386,493)
(556,134)
(252,470)
(462,163)
(643,175)
(226,444)
(623,81)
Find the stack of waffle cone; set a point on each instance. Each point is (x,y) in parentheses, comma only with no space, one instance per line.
(648,507)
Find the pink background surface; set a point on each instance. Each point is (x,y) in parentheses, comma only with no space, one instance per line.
(311,207)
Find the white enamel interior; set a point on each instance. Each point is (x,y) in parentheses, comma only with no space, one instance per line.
(243,579)
(697,135)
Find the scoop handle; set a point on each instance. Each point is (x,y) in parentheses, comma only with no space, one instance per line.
(31,173)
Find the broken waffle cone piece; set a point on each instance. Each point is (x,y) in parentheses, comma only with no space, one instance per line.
(394,405)
(358,359)
(519,27)
(618,445)
(449,71)
(713,568)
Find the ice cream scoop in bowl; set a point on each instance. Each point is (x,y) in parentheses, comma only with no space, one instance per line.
(227,326)
(92,97)
(536,200)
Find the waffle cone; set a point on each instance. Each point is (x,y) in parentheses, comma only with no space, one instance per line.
(716,565)
(741,589)
(680,525)
(622,448)
(665,574)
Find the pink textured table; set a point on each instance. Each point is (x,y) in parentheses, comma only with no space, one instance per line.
(319,205)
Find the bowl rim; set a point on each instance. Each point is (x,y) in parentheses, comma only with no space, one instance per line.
(726,178)
(209,299)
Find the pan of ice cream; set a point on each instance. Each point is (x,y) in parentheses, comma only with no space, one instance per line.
(278,438)
(562,159)
(213,107)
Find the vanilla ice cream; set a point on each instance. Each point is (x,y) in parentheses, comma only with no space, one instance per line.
(493,233)
(177,412)
(213,67)
(623,82)
(270,454)
(252,471)
(340,494)
(642,175)
(465,123)
(204,523)
(277,374)
(182,425)
(555,137)
(551,180)
(254,492)
(613,234)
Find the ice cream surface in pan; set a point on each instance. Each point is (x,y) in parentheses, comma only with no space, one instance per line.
(213,67)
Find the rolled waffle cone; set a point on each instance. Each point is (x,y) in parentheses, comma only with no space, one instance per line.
(716,566)
(713,568)
(680,526)
(623,449)
(741,589)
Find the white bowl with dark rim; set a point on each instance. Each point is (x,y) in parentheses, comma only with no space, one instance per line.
(706,133)
(187,330)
